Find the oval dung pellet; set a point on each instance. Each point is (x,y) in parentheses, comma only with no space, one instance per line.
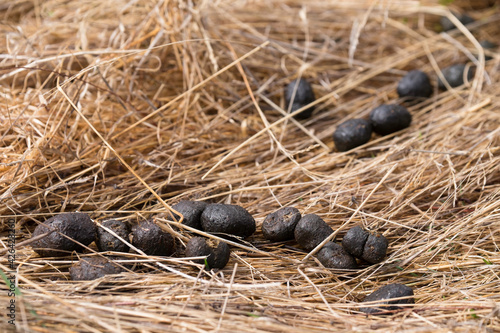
(75,226)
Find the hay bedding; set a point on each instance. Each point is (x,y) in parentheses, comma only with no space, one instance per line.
(106,102)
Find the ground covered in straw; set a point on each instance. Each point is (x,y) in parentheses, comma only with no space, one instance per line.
(123,108)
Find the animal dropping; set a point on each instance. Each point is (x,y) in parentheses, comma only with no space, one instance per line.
(105,241)
(489,46)
(372,248)
(311,230)
(333,255)
(389,118)
(228,219)
(64,231)
(386,296)
(454,75)
(217,256)
(303,96)
(152,240)
(354,241)
(191,210)
(448,25)
(415,84)
(92,268)
(351,134)
(280,225)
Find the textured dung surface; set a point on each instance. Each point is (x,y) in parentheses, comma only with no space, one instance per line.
(454,75)
(351,134)
(197,247)
(311,230)
(389,118)
(107,242)
(93,268)
(149,238)
(77,226)
(333,255)
(375,248)
(385,294)
(415,84)
(191,210)
(228,219)
(354,241)
(304,95)
(448,25)
(216,257)
(280,225)
(222,253)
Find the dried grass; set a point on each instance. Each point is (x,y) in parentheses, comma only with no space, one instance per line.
(123,108)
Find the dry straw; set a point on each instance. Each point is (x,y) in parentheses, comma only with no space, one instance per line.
(123,108)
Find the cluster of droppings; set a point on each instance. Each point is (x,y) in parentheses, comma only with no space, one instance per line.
(370,247)
(65,232)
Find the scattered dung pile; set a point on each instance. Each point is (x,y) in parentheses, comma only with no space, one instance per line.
(250,166)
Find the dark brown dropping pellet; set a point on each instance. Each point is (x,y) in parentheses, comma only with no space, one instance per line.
(216,257)
(93,268)
(152,240)
(222,253)
(280,225)
(454,75)
(311,230)
(415,84)
(389,118)
(354,241)
(386,294)
(107,242)
(489,46)
(197,247)
(191,210)
(351,134)
(375,248)
(333,255)
(76,226)
(304,95)
(448,25)
(227,219)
